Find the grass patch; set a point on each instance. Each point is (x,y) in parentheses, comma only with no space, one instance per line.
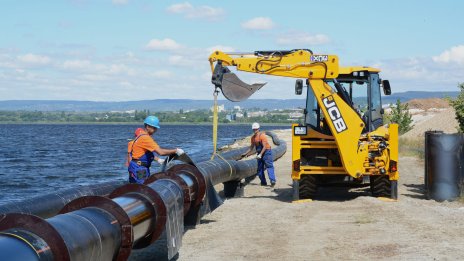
(411,147)
(363,219)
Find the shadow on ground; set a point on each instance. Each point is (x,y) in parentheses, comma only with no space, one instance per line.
(418,191)
(324,193)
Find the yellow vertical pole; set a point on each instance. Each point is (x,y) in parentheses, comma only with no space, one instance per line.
(215,123)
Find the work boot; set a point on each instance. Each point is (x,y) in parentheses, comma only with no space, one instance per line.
(273,184)
(263,184)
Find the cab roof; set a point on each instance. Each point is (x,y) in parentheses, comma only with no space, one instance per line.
(351,69)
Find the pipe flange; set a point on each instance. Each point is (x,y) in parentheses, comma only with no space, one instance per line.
(159,210)
(178,180)
(155,177)
(200,179)
(127,234)
(39,227)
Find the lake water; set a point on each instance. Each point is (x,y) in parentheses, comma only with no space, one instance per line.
(41,158)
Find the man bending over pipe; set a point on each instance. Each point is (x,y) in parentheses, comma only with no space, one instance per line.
(143,149)
(263,149)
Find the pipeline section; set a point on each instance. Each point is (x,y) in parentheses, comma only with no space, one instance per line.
(132,216)
(49,205)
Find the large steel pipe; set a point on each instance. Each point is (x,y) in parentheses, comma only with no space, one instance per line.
(89,233)
(99,229)
(133,216)
(220,171)
(49,205)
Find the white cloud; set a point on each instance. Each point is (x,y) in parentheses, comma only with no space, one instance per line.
(176,60)
(126,84)
(163,74)
(180,8)
(196,59)
(200,12)
(94,77)
(119,2)
(221,48)
(163,45)
(301,38)
(76,64)
(118,69)
(453,55)
(34,59)
(420,74)
(258,23)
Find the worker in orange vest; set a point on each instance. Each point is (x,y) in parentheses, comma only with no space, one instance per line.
(142,151)
(137,133)
(264,155)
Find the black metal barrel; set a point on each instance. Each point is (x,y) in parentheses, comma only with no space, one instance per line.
(443,165)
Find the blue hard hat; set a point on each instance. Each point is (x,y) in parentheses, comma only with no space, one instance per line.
(152,121)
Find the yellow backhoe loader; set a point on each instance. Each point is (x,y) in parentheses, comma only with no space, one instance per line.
(343,137)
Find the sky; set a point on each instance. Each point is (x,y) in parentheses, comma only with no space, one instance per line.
(125,50)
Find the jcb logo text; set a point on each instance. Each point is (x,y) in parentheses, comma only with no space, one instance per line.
(334,114)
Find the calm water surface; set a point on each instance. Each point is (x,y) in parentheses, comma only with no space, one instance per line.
(39,159)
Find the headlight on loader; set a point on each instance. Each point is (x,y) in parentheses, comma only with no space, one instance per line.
(300,131)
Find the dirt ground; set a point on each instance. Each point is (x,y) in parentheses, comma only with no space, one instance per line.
(340,224)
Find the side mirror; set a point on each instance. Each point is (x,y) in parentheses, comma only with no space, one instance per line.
(299,87)
(386,87)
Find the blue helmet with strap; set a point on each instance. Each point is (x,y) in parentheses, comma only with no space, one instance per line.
(152,121)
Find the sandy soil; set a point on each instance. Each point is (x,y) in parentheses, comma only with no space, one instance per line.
(427,104)
(341,224)
(433,120)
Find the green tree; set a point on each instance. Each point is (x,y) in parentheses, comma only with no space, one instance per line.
(458,105)
(400,114)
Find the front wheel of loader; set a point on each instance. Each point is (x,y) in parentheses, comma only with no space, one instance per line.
(382,186)
(307,186)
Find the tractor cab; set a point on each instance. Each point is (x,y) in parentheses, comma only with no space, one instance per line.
(359,87)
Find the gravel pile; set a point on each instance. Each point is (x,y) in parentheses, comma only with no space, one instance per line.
(444,121)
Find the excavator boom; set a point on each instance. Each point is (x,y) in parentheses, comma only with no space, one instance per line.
(294,63)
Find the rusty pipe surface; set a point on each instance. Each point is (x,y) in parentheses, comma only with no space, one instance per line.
(133,216)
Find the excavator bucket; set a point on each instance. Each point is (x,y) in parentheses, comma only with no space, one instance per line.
(231,86)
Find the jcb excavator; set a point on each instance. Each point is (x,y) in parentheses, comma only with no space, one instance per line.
(343,137)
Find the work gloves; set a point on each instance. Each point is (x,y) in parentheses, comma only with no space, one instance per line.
(179,152)
(160,161)
(258,157)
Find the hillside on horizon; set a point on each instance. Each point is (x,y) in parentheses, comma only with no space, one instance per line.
(187,104)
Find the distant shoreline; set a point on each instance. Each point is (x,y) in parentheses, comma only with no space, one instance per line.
(135,123)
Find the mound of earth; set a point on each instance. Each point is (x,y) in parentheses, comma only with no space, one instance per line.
(427,104)
(443,120)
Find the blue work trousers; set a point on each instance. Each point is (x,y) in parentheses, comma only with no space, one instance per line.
(266,162)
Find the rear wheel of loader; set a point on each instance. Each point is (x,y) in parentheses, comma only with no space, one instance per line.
(382,186)
(307,186)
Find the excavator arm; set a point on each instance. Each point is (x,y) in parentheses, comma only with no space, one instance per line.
(343,121)
(294,63)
